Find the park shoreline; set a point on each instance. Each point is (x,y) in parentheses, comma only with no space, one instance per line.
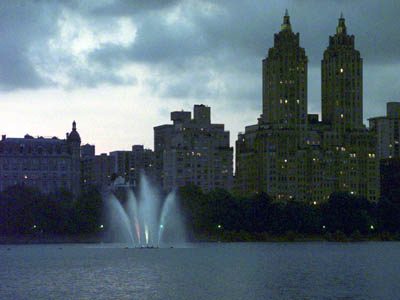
(224,237)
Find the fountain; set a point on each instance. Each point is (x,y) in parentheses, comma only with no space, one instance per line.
(146,221)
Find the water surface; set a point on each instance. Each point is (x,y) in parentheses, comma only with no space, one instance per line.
(202,271)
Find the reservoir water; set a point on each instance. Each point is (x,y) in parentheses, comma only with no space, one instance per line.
(369,270)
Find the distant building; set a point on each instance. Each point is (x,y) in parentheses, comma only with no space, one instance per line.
(284,84)
(342,90)
(131,164)
(46,163)
(141,161)
(390,179)
(289,154)
(121,165)
(87,150)
(96,170)
(193,151)
(387,130)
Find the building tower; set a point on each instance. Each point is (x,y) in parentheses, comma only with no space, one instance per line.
(285,80)
(74,143)
(341,72)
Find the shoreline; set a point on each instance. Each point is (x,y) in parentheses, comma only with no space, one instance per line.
(226,237)
(49,239)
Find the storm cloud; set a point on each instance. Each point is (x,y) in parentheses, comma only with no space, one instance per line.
(188,49)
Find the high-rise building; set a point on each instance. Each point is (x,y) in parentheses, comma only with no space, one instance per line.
(387,134)
(271,156)
(387,131)
(193,151)
(342,82)
(285,80)
(130,165)
(289,154)
(46,163)
(141,162)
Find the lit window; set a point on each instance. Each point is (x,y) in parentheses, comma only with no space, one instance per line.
(341,70)
(341,115)
(285,100)
(298,101)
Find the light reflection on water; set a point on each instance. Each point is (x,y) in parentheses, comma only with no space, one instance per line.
(202,271)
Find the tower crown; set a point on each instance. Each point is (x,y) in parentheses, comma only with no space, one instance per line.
(286,22)
(341,28)
(341,39)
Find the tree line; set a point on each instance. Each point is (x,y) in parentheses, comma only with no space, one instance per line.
(219,212)
(25,210)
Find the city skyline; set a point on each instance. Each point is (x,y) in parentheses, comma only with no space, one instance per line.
(119,69)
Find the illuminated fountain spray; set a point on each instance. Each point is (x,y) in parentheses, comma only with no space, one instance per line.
(146,221)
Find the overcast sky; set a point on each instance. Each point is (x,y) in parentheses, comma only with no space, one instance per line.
(119,67)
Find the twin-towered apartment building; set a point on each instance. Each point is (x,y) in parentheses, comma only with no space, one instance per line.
(288,153)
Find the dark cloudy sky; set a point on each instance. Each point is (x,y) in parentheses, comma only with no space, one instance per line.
(119,67)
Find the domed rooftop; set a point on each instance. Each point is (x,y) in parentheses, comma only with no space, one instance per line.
(74,135)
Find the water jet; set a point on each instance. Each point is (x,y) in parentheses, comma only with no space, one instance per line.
(144,221)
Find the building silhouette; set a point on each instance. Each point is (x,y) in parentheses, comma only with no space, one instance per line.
(96,170)
(289,153)
(48,164)
(387,131)
(284,84)
(193,151)
(341,73)
(88,150)
(130,165)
